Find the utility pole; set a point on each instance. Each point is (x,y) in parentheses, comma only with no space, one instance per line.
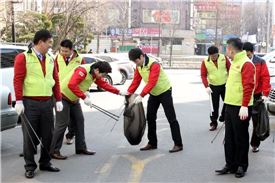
(12,23)
(216,25)
(97,28)
(159,40)
(129,13)
(13,34)
(268,25)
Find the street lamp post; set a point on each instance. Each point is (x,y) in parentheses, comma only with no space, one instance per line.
(12,20)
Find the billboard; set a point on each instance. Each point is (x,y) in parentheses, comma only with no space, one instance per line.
(163,16)
(145,32)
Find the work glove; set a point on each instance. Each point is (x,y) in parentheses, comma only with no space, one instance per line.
(208,90)
(265,99)
(88,102)
(123,93)
(138,99)
(19,107)
(59,106)
(243,113)
(87,94)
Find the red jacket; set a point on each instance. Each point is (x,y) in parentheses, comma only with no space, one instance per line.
(19,77)
(248,82)
(152,81)
(262,76)
(79,75)
(204,71)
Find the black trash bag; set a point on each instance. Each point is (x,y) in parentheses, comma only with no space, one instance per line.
(134,120)
(261,114)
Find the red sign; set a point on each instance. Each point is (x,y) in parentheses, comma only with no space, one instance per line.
(149,49)
(145,32)
(206,6)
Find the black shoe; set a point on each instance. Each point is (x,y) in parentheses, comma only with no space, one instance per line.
(85,152)
(49,168)
(240,172)
(148,147)
(58,156)
(255,149)
(224,171)
(221,119)
(29,174)
(176,149)
(213,128)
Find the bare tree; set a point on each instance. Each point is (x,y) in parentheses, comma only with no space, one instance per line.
(68,17)
(97,19)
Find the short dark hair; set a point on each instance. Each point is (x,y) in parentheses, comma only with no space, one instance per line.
(235,43)
(247,46)
(135,53)
(213,50)
(67,43)
(102,66)
(42,35)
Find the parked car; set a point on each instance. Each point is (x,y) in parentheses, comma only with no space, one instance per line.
(8,53)
(260,54)
(112,78)
(270,61)
(125,65)
(9,116)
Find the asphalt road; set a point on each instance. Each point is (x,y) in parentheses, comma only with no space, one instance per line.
(117,161)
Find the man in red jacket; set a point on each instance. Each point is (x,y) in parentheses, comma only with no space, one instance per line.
(67,60)
(239,101)
(159,88)
(74,87)
(262,88)
(214,73)
(35,82)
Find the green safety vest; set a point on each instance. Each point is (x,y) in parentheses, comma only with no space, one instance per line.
(65,69)
(84,85)
(216,75)
(234,87)
(35,83)
(163,83)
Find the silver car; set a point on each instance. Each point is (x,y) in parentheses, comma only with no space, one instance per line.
(8,115)
(125,65)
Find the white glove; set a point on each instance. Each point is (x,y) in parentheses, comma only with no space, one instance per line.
(19,107)
(243,113)
(138,99)
(88,102)
(208,90)
(124,93)
(59,106)
(265,99)
(87,94)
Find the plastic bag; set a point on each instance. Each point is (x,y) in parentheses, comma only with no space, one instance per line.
(134,120)
(262,128)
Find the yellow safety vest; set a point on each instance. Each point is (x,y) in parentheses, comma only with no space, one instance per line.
(65,69)
(163,83)
(234,87)
(216,75)
(35,83)
(84,85)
